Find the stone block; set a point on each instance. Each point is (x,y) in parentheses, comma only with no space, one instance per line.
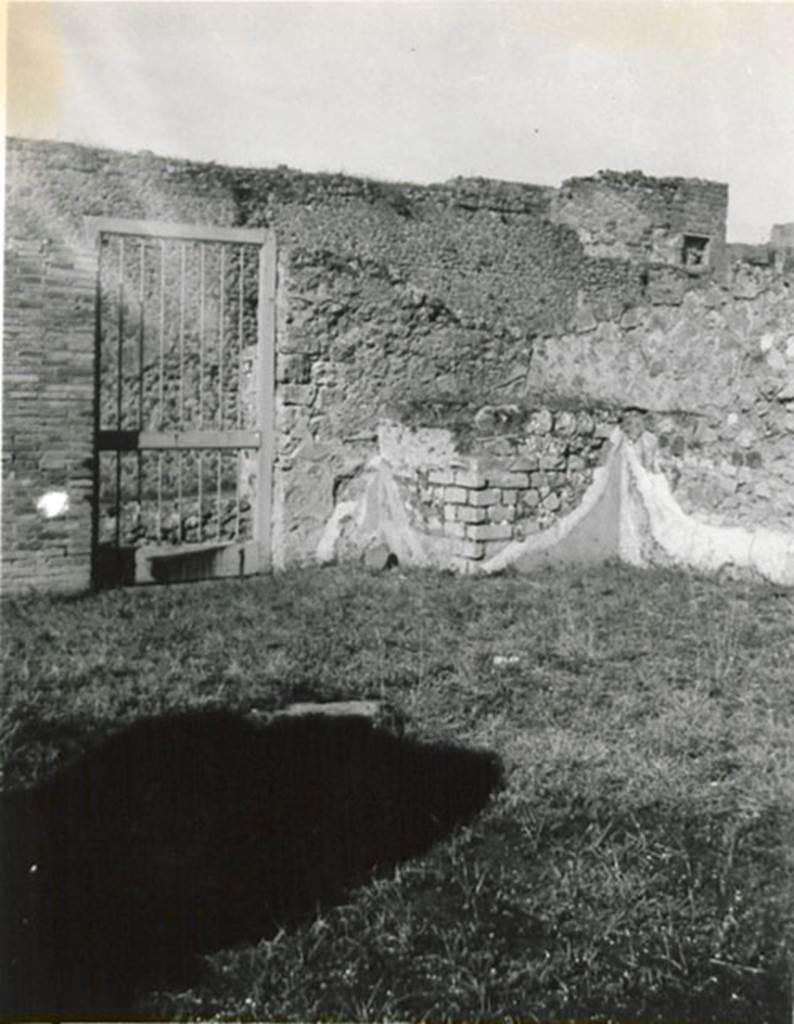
(456,495)
(524,463)
(442,477)
(564,423)
(469,478)
(456,530)
(292,368)
(490,496)
(552,502)
(530,499)
(631,318)
(506,479)
(296,394)
(501,513)
(540,422)
(776,360)
(552,460)
(467,514)
(584,321)
(489,531)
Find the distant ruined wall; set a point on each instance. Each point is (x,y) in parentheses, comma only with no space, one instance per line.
(419,306)
(634,217)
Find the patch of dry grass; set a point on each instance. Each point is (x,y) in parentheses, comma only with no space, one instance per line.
(637,864)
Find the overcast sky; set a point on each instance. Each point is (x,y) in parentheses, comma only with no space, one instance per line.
(425,91)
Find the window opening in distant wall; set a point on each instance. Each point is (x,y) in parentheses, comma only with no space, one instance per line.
(694,252)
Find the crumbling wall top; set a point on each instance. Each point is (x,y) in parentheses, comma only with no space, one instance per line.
(677,222)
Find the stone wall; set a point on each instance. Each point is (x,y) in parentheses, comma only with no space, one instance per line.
(523,471)
(647,220)
(414,303)
(384,290)
(710,374)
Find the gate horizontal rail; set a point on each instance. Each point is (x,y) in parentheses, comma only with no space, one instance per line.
(161,440)
(173,232)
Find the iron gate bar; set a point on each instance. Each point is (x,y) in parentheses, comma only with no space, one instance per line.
(218,493)
(161,377)
(266,383)
(141,302)
(161,389)
(221,312)
(179,495)
(239,381)
(120,377)
(183,258)
(240,342)
(95,467)
(180,457)
(202,314)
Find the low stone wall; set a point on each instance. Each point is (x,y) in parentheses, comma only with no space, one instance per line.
(424,502)
(513,483)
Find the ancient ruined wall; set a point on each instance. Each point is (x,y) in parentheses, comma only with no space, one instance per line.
(530,319)
(384,290)
(377,316)
(711,376)
(515,474)
(631,216)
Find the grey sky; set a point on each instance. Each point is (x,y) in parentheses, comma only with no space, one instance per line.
(529,92)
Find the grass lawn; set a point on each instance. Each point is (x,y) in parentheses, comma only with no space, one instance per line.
(637,862)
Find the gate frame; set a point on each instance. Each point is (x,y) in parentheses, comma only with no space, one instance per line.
(264,385)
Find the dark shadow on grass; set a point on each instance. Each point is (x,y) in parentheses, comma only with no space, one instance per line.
(189,833)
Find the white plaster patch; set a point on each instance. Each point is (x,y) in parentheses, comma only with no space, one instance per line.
(53,504)
(651,524)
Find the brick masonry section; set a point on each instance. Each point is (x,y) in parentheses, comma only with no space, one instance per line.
(497,492)
(48,413)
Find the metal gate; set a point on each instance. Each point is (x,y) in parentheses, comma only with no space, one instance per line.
(185,322)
